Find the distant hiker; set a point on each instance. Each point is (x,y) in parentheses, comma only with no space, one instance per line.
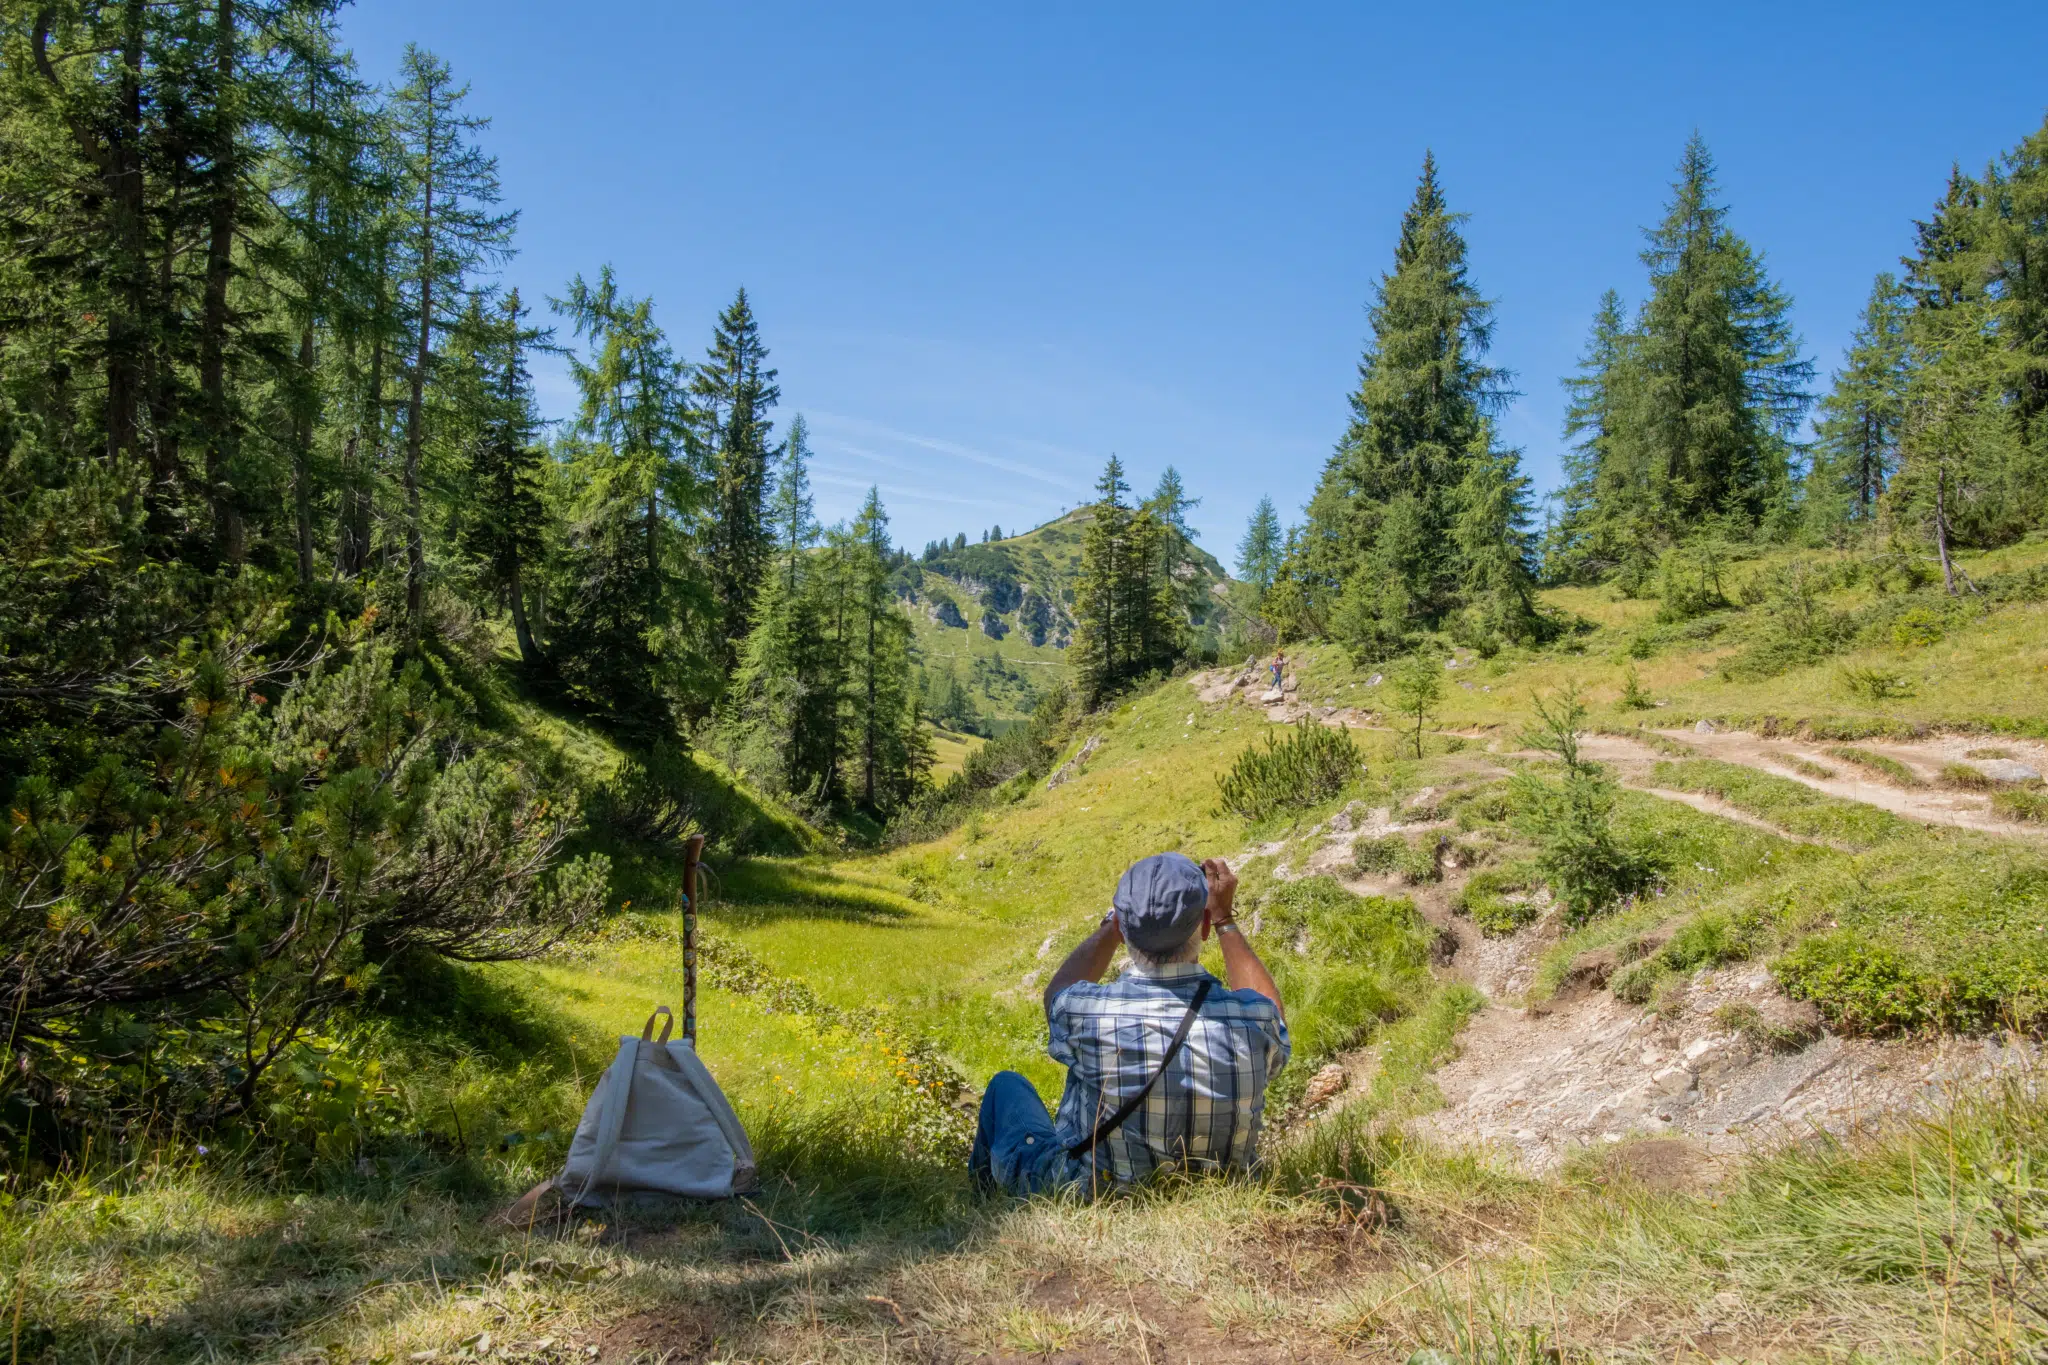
(1279,667)
(1164,1068)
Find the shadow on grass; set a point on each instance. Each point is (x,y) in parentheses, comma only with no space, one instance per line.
(762,891)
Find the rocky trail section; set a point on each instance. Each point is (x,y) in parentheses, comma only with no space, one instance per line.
(1538,1085)
(1731,1064)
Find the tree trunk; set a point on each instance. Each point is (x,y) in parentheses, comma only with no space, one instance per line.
(230,540)
(165,458)
(1948,568)
(302,453)
(529,652)
(868,736)
(125,182)
(415,535)
(352,556)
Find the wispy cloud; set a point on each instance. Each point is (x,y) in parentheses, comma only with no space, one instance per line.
(895,493)
(952,449)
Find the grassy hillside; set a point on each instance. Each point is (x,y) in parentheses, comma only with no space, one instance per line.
(853,1001)
(999,615)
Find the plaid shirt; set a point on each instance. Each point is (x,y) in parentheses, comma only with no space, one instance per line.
(1111,1037)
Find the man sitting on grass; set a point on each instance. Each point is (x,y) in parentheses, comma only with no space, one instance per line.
(1163,1068)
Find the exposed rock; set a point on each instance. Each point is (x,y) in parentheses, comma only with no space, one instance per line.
(947,614)
(1270,696)
(1703,726)
(1375,680)
(1672,1080)
(2008,770)
(1325,1085)
(1072,767)
(1292,684)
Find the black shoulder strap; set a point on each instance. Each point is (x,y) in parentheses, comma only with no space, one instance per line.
(1130,1105)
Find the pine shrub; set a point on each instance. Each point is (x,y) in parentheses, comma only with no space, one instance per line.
(1634,696)
(1571,818)
(1310,765)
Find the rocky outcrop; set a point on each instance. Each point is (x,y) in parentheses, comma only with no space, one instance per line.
(1072,767)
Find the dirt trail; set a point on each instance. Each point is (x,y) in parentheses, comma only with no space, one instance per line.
(1930,804)
(1633,760)
(1587,1070)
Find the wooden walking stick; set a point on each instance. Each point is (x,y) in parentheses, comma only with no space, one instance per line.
(693,853)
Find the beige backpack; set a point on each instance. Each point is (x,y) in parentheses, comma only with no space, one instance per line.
(657,1123)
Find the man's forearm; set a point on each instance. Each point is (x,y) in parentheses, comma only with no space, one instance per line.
(1087,962)
(1242,970)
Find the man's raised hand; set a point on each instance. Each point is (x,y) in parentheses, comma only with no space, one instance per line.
(1222,890)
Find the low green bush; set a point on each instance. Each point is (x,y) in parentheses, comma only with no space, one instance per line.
(1486,808)
(1311,765)
(1966,778)
(1874,684)
(2028,807)
(1706,940)
(1378,853)
(1422,859)
(1638,981)
(1917,627)
(1862,987)
(1485,899)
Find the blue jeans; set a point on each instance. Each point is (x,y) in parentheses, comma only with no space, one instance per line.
(1016,1148)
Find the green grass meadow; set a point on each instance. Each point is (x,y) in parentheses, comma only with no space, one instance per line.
(854,1001)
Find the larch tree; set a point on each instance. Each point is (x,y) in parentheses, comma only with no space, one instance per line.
(635,580)
(795,525)
(450,226)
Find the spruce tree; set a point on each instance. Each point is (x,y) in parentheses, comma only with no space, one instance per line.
(1423,388)
(1380,552)
(1858,444)
(736,389)
(1125,620)
(631,563)
(507,527)
(1258,554)
(1494,547)
(889,755)
(1722,381)
(1601,524)
(1100,632)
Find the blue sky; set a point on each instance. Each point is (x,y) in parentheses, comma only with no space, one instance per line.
(989,245)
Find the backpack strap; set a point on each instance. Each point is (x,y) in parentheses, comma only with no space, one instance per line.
(611,1120)
(668,1022)
(1130,1104)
